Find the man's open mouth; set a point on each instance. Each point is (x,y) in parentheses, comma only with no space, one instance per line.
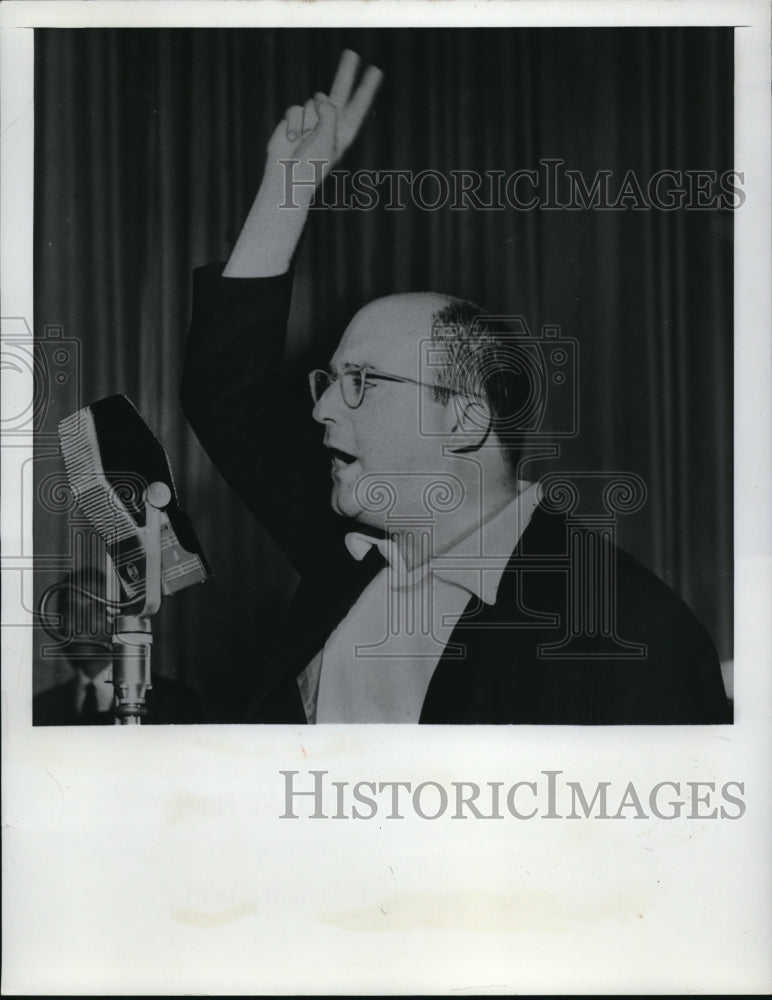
(341,456)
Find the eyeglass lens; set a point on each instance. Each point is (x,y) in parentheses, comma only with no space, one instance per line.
(351,385)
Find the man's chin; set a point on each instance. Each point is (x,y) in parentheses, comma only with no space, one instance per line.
(344,504)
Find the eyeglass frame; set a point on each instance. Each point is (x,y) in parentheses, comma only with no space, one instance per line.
(368,373)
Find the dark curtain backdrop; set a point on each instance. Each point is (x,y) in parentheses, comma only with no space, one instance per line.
(149,147)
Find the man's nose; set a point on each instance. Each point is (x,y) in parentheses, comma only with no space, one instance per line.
(329,403)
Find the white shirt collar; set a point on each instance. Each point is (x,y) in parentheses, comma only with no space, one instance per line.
(102,685)
(477,562)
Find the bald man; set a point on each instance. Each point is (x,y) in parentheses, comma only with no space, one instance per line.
(405,517)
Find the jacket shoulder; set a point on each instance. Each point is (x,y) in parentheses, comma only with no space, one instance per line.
(648,659)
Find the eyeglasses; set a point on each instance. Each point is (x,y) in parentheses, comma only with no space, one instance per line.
(353,382)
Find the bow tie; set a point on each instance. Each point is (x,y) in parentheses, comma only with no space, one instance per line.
(360,544)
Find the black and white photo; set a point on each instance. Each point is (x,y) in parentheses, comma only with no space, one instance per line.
(507,256)
(386,461)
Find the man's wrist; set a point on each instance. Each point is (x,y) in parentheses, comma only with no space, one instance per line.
(267,243)
(287,187)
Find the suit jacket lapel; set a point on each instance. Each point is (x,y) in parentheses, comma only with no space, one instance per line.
(501,640)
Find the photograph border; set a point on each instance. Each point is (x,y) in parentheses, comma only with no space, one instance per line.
(184,836)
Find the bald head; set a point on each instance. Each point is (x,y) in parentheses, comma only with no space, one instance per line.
(386,332)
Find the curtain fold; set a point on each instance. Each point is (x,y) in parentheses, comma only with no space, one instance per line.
(149,147)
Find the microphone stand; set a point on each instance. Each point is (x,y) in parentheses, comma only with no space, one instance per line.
(133,635)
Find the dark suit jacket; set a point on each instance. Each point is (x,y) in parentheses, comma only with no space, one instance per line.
(255,422)
(168,702)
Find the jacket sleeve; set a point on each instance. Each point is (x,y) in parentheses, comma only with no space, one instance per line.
(251,416)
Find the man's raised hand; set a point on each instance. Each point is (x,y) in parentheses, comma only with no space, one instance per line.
(321,131)
(324,128)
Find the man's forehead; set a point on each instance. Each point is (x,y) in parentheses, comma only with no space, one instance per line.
(388,331)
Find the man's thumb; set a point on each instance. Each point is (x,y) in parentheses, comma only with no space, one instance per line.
(326,110)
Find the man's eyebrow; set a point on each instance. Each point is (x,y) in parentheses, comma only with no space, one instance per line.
(351,366)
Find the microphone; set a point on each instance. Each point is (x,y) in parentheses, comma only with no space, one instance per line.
(121,479)
(112,457)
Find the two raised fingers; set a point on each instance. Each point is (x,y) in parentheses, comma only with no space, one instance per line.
(354,106)
(302,119)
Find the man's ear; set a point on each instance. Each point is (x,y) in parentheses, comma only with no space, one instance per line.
(471,422)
